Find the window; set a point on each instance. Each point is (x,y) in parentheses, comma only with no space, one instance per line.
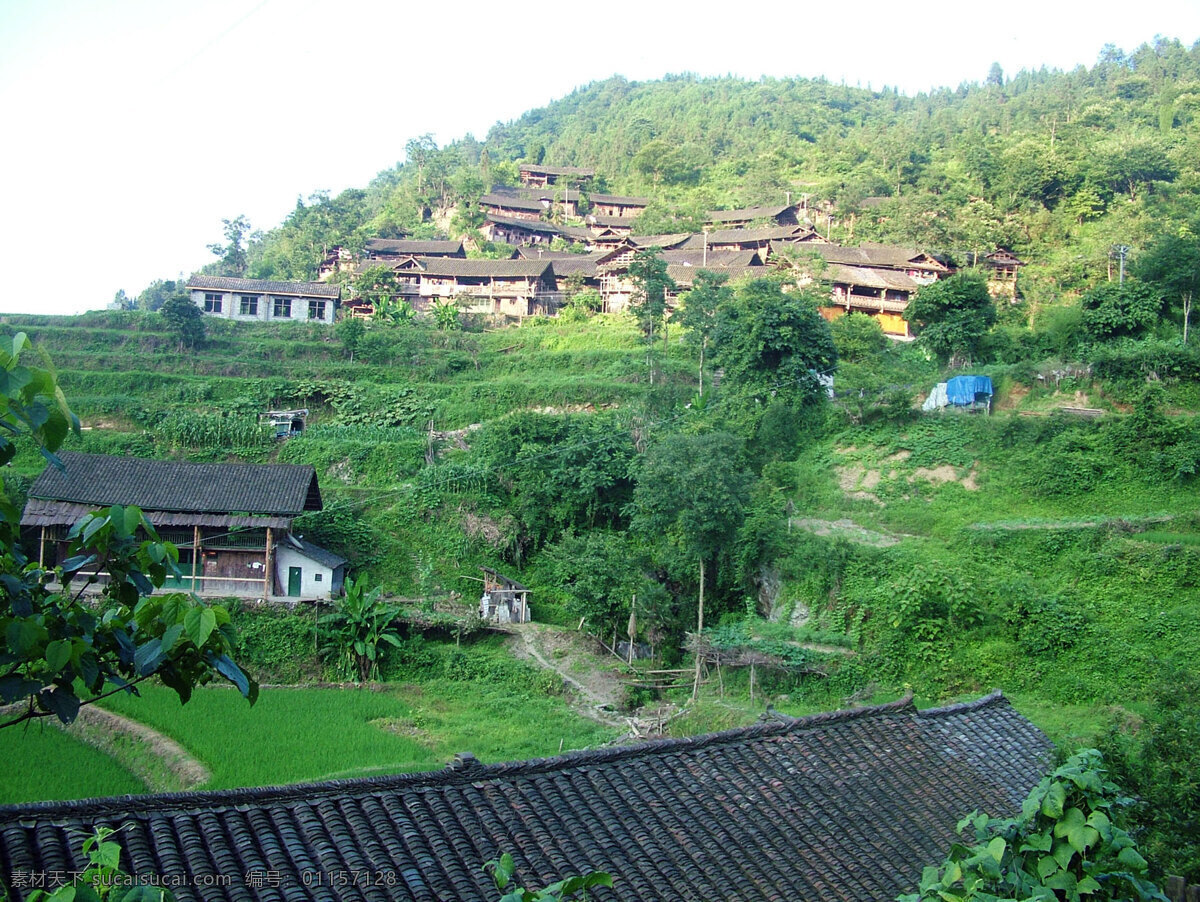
(316,310)
(317,577)
(249,305)
(212,303)
(283,308)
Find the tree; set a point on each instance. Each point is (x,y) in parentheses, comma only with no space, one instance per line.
(1111,310)
(648,272)
(773,344)
(858,337)
(185,320)
(58,653)
(1067,843)
(1172,264)
(238,234)
(698,315)
(692,492)
(952,316)
(350,333)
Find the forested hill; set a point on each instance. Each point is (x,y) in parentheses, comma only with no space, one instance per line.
(1057,166)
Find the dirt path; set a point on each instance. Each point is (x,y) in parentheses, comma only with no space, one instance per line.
(157,760)
(598,690)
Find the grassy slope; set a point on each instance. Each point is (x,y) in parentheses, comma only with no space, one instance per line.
(1113,604)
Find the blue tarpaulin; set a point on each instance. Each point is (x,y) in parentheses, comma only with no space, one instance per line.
(962,390)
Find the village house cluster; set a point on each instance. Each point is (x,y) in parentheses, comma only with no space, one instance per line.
(553,208)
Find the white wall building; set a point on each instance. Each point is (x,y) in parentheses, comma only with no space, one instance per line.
(264,301)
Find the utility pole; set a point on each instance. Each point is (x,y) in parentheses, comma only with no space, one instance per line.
(1121,250)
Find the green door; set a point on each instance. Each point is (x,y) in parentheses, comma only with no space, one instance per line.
(294,582)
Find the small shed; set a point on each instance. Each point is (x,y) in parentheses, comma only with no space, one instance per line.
(504,600)
(286,423)
(305,570)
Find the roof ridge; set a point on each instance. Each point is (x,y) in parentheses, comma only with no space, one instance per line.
(992,698)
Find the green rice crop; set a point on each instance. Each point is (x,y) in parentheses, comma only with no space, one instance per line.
(42,763)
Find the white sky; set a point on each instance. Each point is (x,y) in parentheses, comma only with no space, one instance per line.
(132,127)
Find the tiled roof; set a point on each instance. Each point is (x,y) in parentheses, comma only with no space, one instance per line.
(666,242)
(748,213)
(316,552)
(867,277)
(580,263)
(843,806)
(750,236)
(260,286)
(879,255)
(509,202)
(173,485)
(530,225)
(712,259)
(685,276)
(405,246)
(557,170)
(610,222)
(500,269)
(619,200)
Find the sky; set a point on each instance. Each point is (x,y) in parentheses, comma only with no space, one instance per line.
(133,127)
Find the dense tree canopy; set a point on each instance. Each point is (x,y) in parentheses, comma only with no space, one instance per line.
(773,344)
(952,316)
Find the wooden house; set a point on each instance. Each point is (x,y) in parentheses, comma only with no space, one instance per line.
(583,267)
(505,230)
(843,806)
(615,224)
(616,206)
(516,288)
(881,293)
(780,214)
(763,240)
(1001,266)
(264,301)
(533,176)
(337,259)
(510,206)
(876,279)
(228,520)
(504,600)
(382,250)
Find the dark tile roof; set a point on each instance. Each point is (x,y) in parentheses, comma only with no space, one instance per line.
(750,236)
(685,276)
(172,485)
(530,225)
(619,200)
(580,263)
(867,277)
(880,256)
(315,552)
(749,213)
(260,286)
(610,222)
(499,269)
(508,202)
(666,242)
(415,247)
(557,170)
(843,806)
(712,259)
